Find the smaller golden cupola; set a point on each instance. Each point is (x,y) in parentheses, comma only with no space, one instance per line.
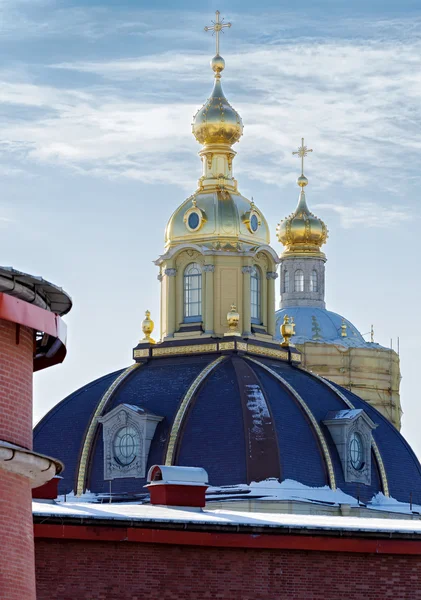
(217,122)
(302,233)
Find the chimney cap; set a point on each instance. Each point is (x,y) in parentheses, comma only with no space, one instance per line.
(161,474)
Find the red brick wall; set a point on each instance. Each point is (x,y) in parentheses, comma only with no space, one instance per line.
(127,571)
(16,368)
(17,572)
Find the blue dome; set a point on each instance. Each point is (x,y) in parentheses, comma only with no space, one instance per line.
(320,325)
(243,418)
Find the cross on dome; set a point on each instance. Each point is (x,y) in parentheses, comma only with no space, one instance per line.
(217,28)
(302,152)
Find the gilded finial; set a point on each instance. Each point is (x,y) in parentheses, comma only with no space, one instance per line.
(217,28)
(287,331)
(302,153)
(233,319)
(343,329)
(147,328)
(252,204)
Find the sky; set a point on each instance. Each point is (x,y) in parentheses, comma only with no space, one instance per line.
(96,151)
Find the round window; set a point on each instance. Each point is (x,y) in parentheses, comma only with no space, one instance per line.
(193,220)
(356,451)
(254,223)
(126,445)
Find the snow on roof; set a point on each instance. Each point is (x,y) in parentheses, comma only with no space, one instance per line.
(344,414)
(160,514)
(272,489)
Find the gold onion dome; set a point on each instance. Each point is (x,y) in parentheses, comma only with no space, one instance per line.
(302,233)
(217,122)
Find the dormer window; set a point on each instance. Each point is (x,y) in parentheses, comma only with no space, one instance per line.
(127,434)
(351,431)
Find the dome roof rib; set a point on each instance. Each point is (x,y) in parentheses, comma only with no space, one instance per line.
(376,451)
(184,407)
(303,405)
(93,426)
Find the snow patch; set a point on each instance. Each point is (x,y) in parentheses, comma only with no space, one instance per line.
(257,406)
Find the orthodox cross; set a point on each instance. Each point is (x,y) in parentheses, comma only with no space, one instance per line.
(217,27)
(302,152)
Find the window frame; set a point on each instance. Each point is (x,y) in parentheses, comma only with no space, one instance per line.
(314,281)
(299,273)
(285,281)
(189,279)
(132,431)
(256,293)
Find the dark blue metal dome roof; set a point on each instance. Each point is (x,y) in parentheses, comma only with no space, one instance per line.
(243,418)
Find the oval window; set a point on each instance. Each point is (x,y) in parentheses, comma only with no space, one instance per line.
(193,220)
(356,451)
(126,446)
(254,223)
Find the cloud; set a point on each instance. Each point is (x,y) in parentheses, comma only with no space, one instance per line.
(356,101)
(368,214)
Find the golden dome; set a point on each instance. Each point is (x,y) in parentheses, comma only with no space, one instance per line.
(217,122)
(302,233)
(218,220)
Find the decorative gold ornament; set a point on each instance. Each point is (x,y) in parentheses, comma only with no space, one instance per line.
(217,28)
(287,331)
(302,153)
(343,329)
(302,233)
(233,319)
(147,328)
(194,349)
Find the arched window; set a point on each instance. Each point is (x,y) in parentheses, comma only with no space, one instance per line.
(314,287)
(255,288)
(299,281)
(286,281)
(193,292)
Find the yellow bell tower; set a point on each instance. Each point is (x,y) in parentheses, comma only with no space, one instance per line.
(217,251)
